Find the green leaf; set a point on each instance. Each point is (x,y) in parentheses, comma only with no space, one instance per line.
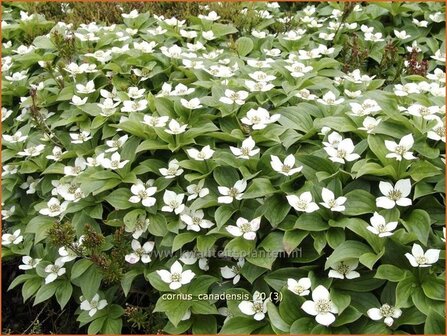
(390,273)
(259,187)
(434,288)
(311,222)
(418,223)
(63,293)
(292,239)
(244,45)
(240,325)
(359,202)
(119,199)
(204,325)
(79,267)
(349,249)
(223,214)
(340,299)
(435,324)
(276,209)
(45,292)
(112,326)
(276,319)
(183,239)
(90,281)
(302,326)
(225,176)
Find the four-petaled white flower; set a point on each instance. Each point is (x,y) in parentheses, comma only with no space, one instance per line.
(14,238)
(192,104)
(29,263)
(246,229)
(247,149)
(113,163)
(32,151)
(386,311)
(330,99)
(259,119)
(175,127)
(285,168)
(332,203)
(197,190)
(54,271)
(54,208)
(176,277)
(204,154)
(303,202)
(16,138)
(234,97)
(173,202)
(393,195)
(154,121)
(370,124)
(343,152)
(87,88)
(380,227)
(142,193)
(94,305)
(300,287)
(233,272)
(195,220)
(401,35)
(256,308)
(321,306)
(418,258)
(140,252)
(400,150)
(78,138)
(116,144)
(345,269)
(235,192)
(172,171)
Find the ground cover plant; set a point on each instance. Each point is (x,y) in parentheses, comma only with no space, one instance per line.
(244,168)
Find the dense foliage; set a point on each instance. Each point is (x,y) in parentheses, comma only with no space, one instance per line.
(192,177)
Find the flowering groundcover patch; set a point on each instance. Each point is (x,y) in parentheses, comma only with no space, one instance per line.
(286,178)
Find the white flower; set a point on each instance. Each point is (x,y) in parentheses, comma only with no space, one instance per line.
(145,47)
(32,151)
(377,37)
(386,311)
(285,168)
(402,35)
(30,185)
(172,171)
(54,208)
(330,202)
(79,166)
(232,97)
(343,152)
(197,190)
(55,270)
(298,69)
(233,272)
(56,154)
(143,194)
(78,101)
(113,163)
(369,124)
(418,258)
(80,138)
(87,88)
(175,127)
(380,227)
(368,106)
(421,23)
(155,121)
(345,269)
(253,86)
(195,221)
(300,287)
(436,17)
(140,252)
(229,194)
(15,238)
(134,105)
(321,307)
(6,213)
(259,118)
(16,138)
(212,16)
(191,104)
(245,228)
(330,99)
(204,154)
(134,92)
(394,194)
(257,308)
(303,202)
(95,304)
(116,144)
(176,277)
(428,113)
(401,150)
(438,131)
(173,202)
(305,94)
(439,56)
(29,263)
(247,149)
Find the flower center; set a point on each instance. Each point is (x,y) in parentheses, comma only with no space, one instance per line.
(174,204)
(400,150)
(381,228)
(440,131)
(55,207)
(323,306)
(343,269)
(114,164)
(246,227)
(143,194)
(233,192)
(196,220)
(55,269)
(301,204)
(341,153)
(172,171)
(258,307)
(286,168)
(245,151)
(332,203)
(421,260)
(395,194)
(299,289)
(386,310)
(176,277)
